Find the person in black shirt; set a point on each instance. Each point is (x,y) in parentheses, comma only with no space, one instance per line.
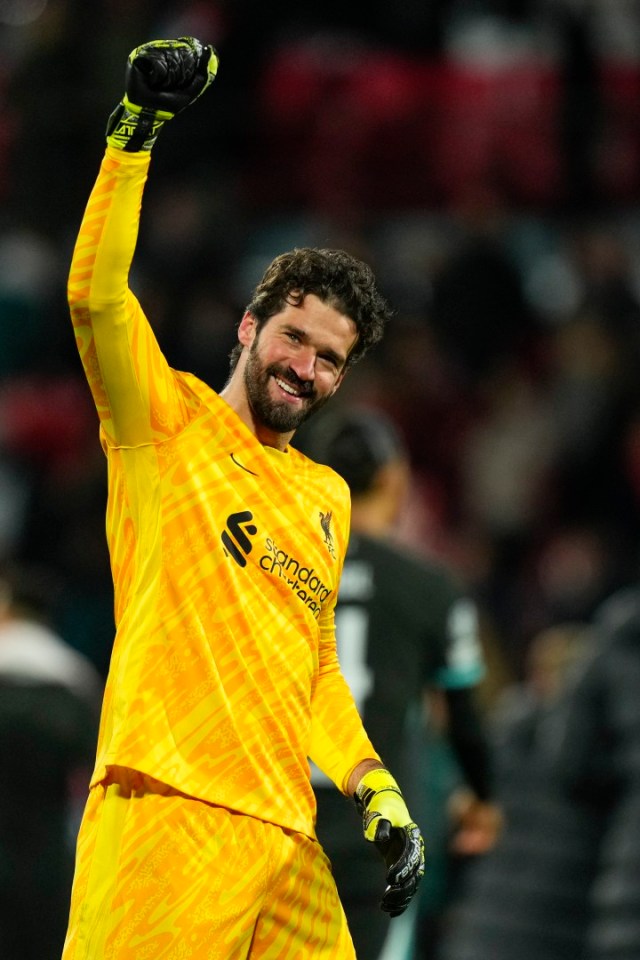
(49,712)
(405,627)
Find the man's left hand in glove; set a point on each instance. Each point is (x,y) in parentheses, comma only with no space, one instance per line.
(387,823)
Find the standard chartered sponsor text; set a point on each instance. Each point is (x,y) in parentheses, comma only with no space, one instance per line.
(303,580)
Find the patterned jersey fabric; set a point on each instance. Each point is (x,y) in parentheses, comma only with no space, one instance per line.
(226,557)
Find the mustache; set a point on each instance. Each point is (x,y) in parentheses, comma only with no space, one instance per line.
(304,386)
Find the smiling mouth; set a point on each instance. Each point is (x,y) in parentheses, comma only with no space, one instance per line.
(294,392)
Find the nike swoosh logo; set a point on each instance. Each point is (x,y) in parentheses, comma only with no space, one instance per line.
(242,467)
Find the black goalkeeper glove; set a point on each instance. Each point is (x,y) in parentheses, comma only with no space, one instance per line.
(387,823)
(162,78)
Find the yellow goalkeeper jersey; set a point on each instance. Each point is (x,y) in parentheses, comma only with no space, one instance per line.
(225,555)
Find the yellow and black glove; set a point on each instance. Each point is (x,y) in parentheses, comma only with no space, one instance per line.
(387,823)
(162,77)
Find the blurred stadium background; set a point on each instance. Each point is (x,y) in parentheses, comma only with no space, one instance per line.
(483,156)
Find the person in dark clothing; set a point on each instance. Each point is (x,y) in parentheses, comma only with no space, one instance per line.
(49,708)
(599,758)
(405,626)
(528,897)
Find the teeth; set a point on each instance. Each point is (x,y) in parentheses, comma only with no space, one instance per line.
(287,388)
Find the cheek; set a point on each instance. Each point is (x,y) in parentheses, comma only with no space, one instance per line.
(274,352)
(328,383)
(266,354)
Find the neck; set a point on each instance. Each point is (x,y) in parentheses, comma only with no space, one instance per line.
(235,396)
(370,515)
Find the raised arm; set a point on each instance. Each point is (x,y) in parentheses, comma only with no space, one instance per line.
(136,394)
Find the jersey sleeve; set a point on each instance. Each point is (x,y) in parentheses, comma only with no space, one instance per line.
(338,738)
(138,398)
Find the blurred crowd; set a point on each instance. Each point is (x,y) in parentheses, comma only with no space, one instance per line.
(483,156)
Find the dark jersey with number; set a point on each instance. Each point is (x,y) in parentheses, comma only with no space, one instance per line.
(402,624)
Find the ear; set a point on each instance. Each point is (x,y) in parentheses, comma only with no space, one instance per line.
(247,329)
(341,377)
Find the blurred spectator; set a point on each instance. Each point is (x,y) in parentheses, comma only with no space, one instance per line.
(528,897)
(479,310)
(404,625)
(592,391)
(47,432)
(599,762)
(49,704)
(507,460)
(29,280)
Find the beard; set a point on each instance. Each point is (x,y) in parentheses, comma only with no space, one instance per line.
(277,415)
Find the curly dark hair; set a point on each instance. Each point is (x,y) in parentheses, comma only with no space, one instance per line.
(335,277)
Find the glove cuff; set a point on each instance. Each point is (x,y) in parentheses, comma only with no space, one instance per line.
(133,128)
(378,797)
(373,782)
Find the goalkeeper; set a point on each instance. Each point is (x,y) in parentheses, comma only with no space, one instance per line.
(227,546)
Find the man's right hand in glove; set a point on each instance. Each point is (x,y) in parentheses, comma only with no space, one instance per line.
(162,78)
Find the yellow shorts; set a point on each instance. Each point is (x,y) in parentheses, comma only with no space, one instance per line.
(162,876)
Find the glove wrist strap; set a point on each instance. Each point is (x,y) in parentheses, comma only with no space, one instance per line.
(133,128)
(373,781)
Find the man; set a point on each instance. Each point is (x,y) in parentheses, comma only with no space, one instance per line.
(227,545)
(49,702)
(596,760)
(502,909)
(405,629)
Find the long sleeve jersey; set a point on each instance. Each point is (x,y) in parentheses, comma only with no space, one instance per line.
(226,557)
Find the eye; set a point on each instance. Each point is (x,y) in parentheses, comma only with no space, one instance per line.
(329,360)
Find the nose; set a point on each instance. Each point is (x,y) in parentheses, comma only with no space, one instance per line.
(304,364)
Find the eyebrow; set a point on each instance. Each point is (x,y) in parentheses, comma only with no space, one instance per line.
(338,359)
